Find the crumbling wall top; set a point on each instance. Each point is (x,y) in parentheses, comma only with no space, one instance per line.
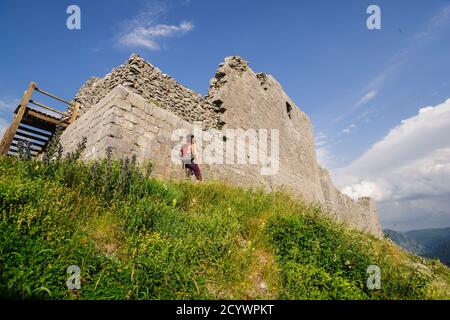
(155,86)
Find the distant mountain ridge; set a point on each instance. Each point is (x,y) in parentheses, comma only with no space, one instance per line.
(429,243)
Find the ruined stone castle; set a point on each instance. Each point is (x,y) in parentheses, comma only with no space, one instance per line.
(136,108)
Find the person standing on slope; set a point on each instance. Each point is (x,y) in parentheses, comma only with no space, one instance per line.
(188,156)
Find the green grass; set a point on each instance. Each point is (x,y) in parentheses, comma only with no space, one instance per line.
(135,237)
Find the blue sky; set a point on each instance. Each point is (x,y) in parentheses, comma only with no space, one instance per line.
(355,84)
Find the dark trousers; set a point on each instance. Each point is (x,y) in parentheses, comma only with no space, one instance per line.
(193,167)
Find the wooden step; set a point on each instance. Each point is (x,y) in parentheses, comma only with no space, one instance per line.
(33,131)
(29,136)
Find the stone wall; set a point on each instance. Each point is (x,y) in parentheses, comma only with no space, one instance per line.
(131,123)
(128,124)
(257,101)
(362,213)
(156,87)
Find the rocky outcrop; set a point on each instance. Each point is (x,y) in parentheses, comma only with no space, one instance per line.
(137,108)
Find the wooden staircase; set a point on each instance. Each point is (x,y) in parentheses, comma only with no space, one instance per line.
(35,123)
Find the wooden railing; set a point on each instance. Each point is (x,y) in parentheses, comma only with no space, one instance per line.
(34,126)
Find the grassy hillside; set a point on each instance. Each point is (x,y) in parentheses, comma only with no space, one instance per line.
(138,238)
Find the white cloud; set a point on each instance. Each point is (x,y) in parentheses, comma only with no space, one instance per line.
(320,139)
(149,37)
(366,116)
(144,31)
(441,18)
(415,213)
(7,106)
(410,166)
(370,95)
(366,189)
(324,156)
(3,126)
(348,129)
(365,99)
